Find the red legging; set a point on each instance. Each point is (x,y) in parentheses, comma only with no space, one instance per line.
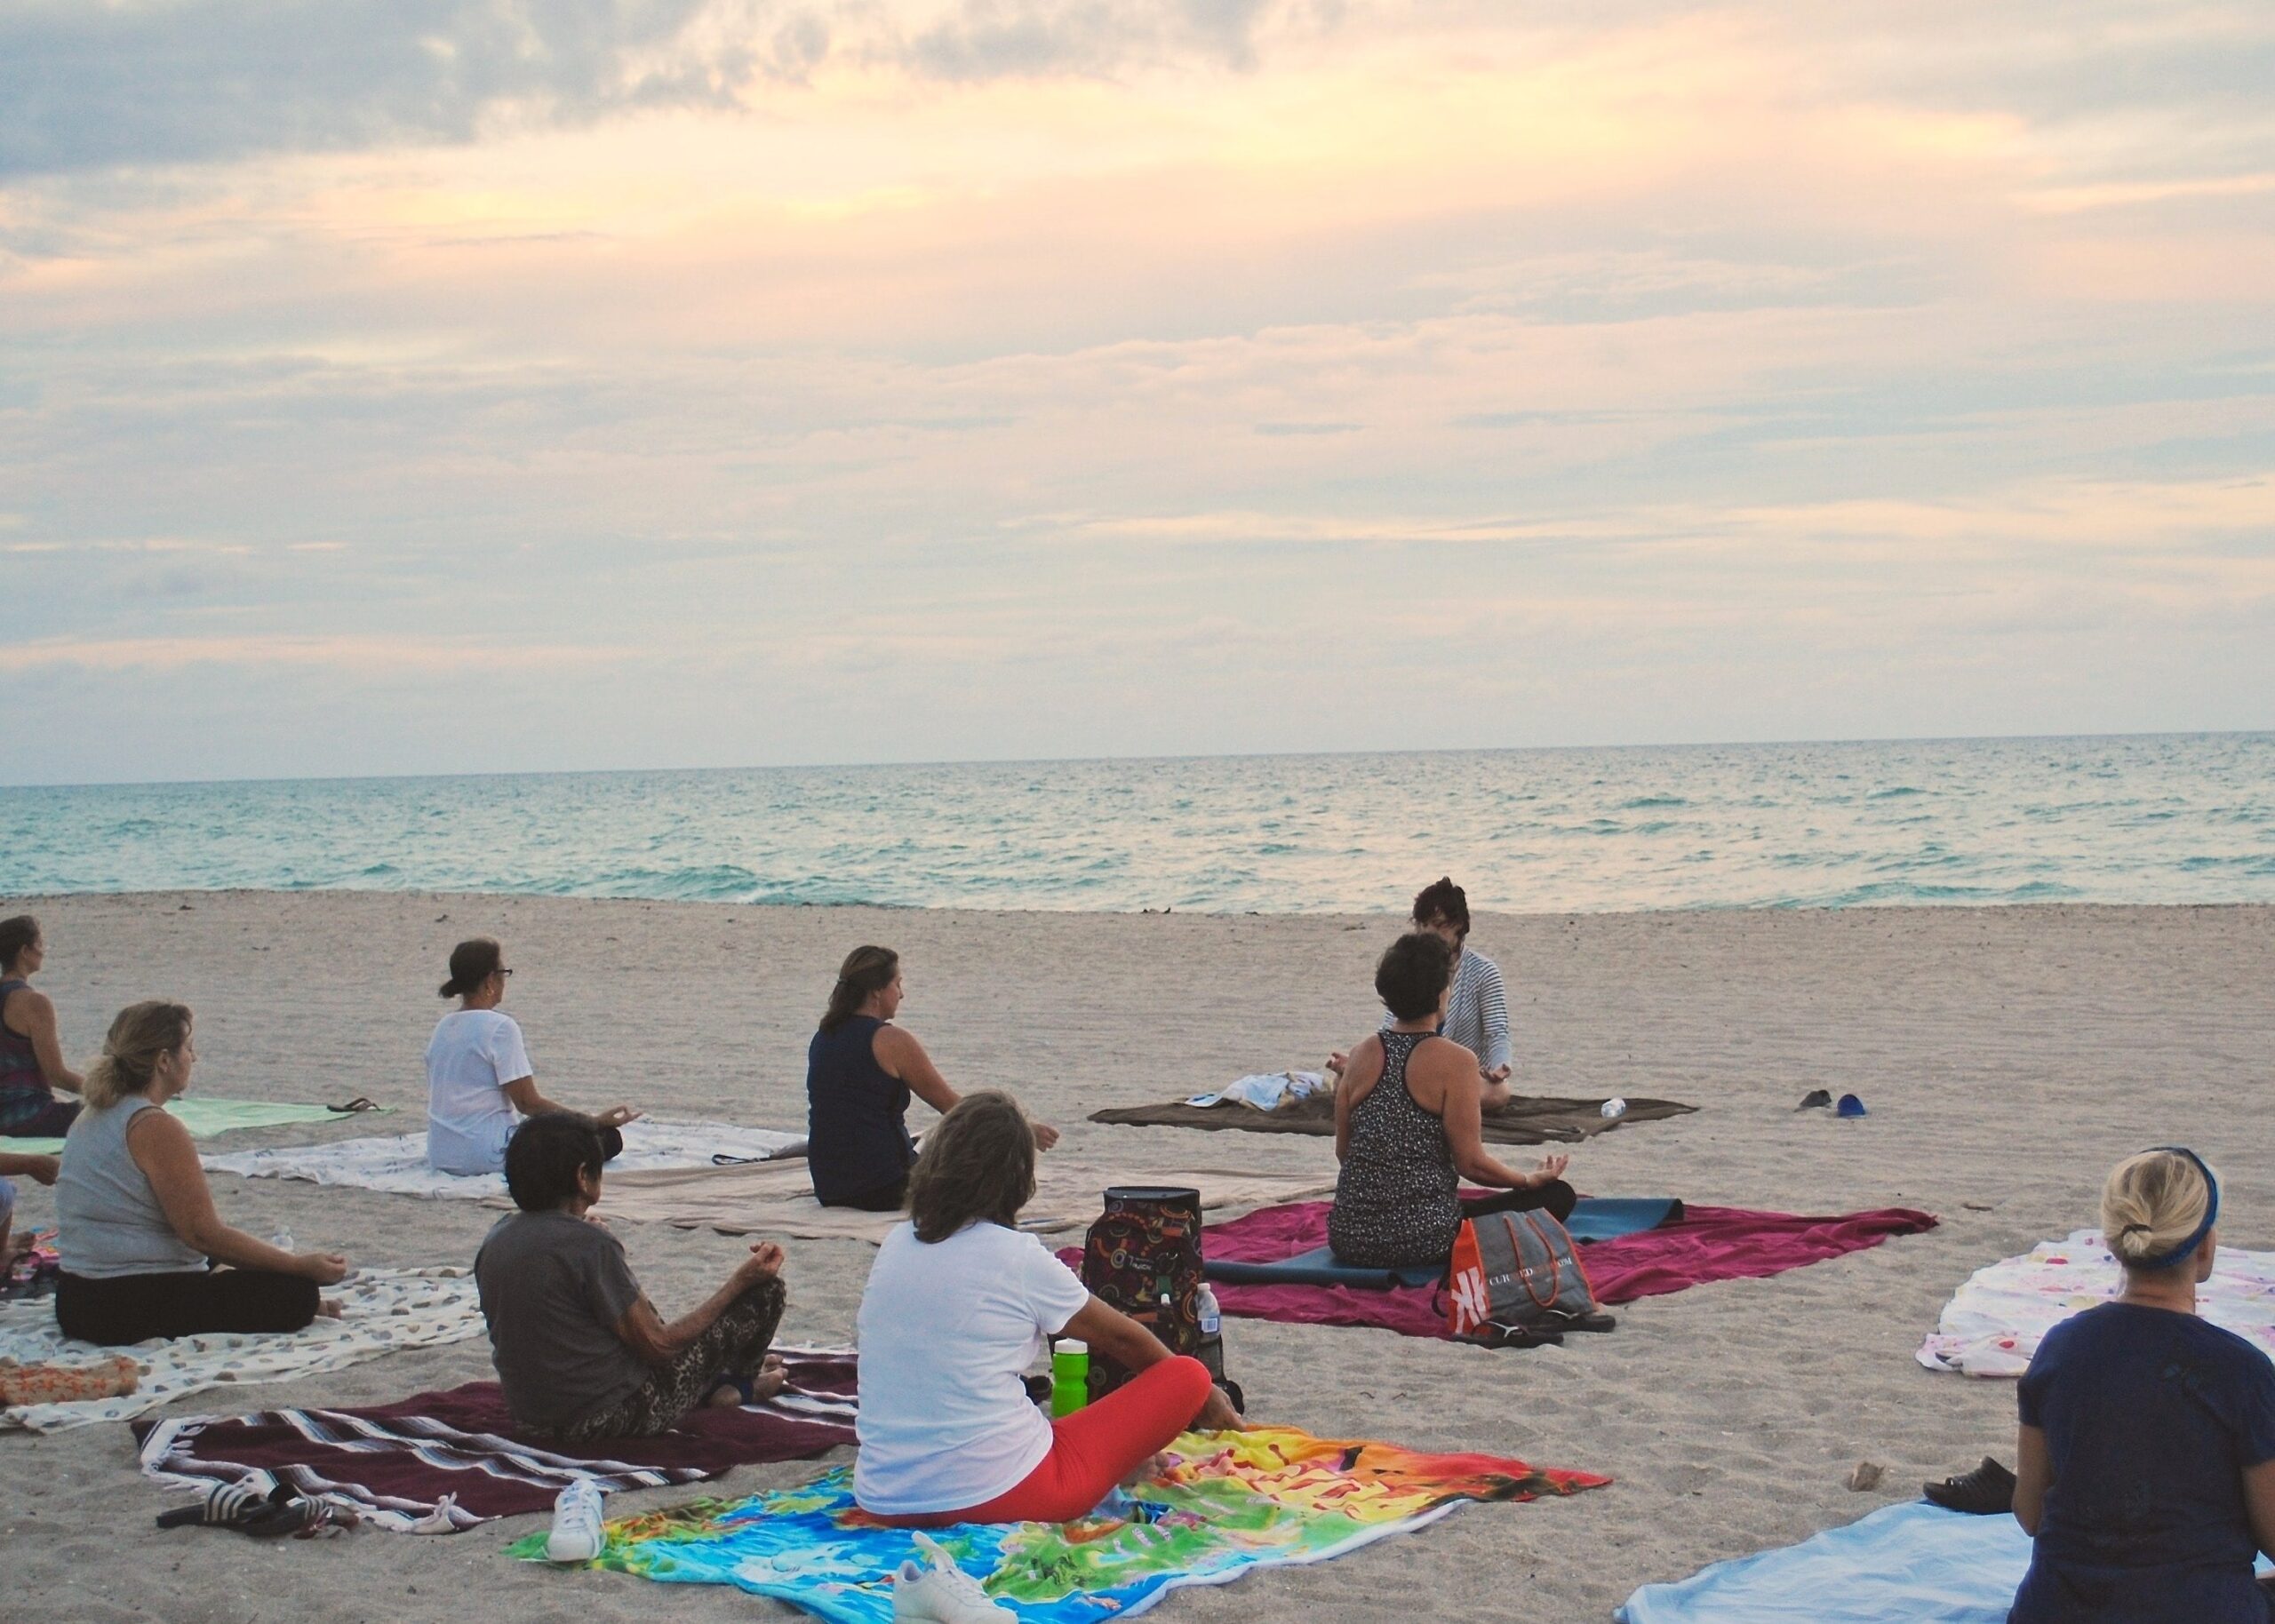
(1092,1450)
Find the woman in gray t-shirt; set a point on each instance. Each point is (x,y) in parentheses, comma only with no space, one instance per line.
(580,1351)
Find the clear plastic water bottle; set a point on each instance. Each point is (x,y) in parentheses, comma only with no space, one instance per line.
(1613,1107)
(1210,1351)
(1070,1376)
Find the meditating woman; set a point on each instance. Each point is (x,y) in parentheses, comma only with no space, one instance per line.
(1477,1012)
(861,1072)
(2147,1471)
(1407,1127)
(31,1053)
(478,1079)
(959,1304)
(580,1351)
(137,1232)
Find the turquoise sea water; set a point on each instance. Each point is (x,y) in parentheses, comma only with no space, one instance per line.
(2176,818)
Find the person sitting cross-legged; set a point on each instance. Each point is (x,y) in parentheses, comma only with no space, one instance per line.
(580,1351)
(2146,1476)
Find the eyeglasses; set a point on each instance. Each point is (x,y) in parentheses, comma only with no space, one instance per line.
(502,970)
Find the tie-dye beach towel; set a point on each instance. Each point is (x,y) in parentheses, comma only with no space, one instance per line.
(1221,1504)
(1994,1323)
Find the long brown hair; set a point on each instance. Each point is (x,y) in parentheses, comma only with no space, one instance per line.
(977,1163)
(130,1049)
(866,970)
(16,935)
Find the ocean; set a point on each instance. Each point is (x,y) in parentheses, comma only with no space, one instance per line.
(2168,818)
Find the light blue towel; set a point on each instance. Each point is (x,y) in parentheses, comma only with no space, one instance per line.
(1913,1563)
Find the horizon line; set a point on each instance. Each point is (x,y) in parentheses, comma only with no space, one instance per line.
(1079,760)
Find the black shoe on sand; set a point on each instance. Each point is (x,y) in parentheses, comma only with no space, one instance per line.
(1816,1099)
(1987,1491)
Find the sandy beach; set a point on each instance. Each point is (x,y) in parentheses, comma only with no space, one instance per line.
(2007,1056)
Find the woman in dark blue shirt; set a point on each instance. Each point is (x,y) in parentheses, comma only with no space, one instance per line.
(861,1072)
(2146,1476)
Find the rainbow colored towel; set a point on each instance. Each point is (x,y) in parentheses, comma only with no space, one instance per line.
(1221,1504)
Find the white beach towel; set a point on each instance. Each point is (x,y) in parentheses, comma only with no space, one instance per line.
(1994,1325)
(381,1309)
(397,1165)
(1265,1090)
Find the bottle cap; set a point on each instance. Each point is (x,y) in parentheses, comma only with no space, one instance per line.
(1068,1344)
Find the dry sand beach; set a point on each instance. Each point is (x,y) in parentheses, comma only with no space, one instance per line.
(2008,1057)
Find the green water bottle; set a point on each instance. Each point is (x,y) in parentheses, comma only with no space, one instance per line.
(1070,1377)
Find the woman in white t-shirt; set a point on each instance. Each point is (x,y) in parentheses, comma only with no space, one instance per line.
(478,1080)
(959,1303)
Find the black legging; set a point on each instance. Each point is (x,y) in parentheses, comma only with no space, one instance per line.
(130,1308)
(1555,1198)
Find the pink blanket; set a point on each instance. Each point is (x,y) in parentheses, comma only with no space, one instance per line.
(1709,1243)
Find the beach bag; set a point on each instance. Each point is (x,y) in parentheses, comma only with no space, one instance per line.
(1143,1257)
(1514,1271)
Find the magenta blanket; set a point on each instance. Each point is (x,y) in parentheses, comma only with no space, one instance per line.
(1709,1243)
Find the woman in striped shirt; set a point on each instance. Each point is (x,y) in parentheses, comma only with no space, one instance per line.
(1478,1016)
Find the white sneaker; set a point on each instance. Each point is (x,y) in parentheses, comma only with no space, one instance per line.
(577,1515)
(942,1593)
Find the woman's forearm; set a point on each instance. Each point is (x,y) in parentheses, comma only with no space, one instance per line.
(239,1250)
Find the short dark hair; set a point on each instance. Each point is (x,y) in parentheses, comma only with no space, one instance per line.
(1445,901)
(544,1156)
(1413,973)
(472,963)
(16,935)
(977,1162)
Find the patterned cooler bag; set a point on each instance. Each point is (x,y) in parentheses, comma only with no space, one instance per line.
(1515,1279)
(1143,1258)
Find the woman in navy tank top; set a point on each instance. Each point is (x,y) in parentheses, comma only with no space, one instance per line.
(860,1072)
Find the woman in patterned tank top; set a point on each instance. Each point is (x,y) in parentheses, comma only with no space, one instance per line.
(1407,1128)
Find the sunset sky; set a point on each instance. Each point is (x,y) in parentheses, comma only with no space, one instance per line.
(403,385)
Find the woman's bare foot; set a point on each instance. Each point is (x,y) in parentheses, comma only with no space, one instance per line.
(771,1380)
(328,1309)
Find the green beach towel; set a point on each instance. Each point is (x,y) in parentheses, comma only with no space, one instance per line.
(205,1118)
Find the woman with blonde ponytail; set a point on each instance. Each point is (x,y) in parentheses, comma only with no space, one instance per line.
(2146,1471)
(138,1234)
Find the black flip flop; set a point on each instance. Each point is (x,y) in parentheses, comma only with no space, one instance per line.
(1987,1491)
(360,1102)
(1816,1099)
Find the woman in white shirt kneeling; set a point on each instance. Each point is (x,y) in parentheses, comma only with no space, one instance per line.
(479,1085)
(959,1303)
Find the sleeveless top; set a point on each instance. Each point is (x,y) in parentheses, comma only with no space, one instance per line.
(24,1092)
(1397,1201)
(107,1218)
(856,1131)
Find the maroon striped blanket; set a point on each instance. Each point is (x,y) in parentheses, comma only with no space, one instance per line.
(442,1462)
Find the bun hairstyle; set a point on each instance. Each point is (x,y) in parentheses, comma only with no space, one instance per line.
(472,963)
(2158,1207)
(1444,900)
(16,935)
(129,1062)
(1412,974)
(866,970)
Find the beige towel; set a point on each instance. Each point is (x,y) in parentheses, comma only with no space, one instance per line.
(776,1198)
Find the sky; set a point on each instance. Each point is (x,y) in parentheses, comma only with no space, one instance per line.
(459,385)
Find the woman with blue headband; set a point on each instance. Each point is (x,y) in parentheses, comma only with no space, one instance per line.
(2147,1471)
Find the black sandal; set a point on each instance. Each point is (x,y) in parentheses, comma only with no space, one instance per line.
(1987,1491)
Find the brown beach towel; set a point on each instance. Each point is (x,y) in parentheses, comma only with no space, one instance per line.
(776,1198)
(1528,1119)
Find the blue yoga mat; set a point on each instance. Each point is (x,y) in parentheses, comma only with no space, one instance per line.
(1593,1219)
